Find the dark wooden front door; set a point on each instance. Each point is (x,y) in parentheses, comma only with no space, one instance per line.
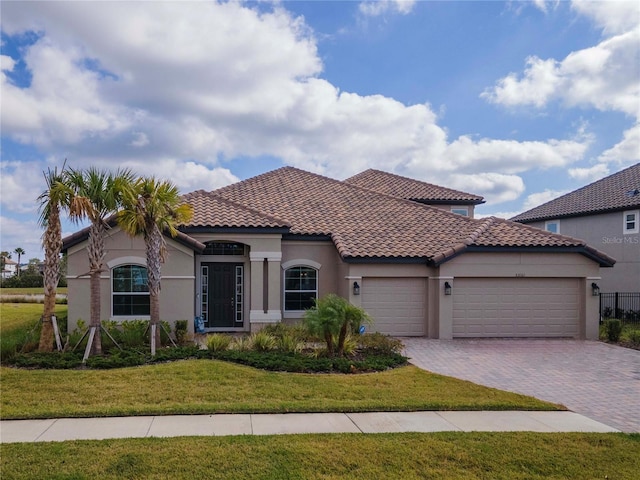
(222,300)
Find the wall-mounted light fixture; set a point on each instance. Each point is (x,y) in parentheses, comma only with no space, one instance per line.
(447,288)
(595,289)
(356,288)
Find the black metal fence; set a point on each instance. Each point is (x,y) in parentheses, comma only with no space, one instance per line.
(624,306)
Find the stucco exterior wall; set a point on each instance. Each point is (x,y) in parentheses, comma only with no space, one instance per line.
(605,233)
(177,278)
(329,273)
(470,208)
(522,266)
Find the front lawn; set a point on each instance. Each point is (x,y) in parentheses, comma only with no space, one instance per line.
(212,386)
(407,456)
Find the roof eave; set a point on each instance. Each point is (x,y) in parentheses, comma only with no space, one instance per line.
(402,260)
(602,259)
(574,214)
(261,230)
(428,201)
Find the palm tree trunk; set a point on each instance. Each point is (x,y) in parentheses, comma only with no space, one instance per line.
(94,322)
(96,253)
(153,244)
(52,244)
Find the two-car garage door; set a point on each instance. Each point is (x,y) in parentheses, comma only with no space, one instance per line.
(516,307)
(482,307)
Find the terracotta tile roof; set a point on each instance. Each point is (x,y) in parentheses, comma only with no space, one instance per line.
(365,224)
(210,210)
(410,189)
(615,192)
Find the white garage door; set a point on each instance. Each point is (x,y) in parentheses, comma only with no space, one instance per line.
(397,305)
(516,307)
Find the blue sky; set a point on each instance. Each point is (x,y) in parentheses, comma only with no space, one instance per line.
(516,101)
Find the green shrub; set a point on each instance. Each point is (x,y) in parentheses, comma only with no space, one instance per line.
(117,359)
(134,333)
(218,342)
(165,330)
(289,343)
(334,317)
(634,337)
(380,344)
(350,344)
(297,331)
(613,329)
(263,342)
(51,360)
(181,329)
(289,362)
(242,343)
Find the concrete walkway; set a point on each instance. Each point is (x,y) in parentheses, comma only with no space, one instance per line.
(62,429)
(594,379)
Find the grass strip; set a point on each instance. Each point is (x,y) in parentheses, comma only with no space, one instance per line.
(211,386)
(450,455)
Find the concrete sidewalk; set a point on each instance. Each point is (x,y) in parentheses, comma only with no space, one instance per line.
(61,429)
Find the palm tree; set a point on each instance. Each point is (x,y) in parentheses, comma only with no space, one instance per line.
(57,196)
(97,194)
(150,208)
(19,251)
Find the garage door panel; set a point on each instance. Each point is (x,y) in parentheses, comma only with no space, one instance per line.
(397,305)
(515,307)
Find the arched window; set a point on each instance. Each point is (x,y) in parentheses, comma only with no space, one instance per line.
(300,287)
(130,291)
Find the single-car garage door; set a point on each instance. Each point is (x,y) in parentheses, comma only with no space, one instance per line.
(397,305)
(516,307)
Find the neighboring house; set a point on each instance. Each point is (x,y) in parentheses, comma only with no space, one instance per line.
(606,214)
(261,250)
(397,186)
(10,268)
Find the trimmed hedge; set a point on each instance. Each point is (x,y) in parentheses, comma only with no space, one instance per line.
(273,360)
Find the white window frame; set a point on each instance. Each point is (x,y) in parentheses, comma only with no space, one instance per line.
(113,293)
(552,222)
(460,211)
(289,265)
(636,221)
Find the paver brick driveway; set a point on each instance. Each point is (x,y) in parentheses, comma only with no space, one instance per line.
(594,379)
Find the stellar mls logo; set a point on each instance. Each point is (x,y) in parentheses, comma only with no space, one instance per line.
(634,240)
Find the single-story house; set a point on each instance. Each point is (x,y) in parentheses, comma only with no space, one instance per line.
(606,214)
(260,250)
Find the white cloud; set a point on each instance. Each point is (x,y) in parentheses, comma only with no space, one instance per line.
(538,198)
(494,187)
(510,156)
(140,139)
(625,152)
(612,16)
(604,77)
(170,88)
(589,174)
(374,8)
(21,233)
(21,184)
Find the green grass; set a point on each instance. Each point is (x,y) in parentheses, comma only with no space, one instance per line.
(450,455)
(17,322)
(210,386)
(29,291)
